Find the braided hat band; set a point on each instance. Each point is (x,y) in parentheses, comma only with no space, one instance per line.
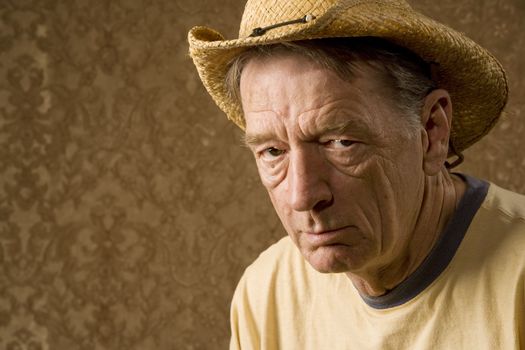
(474,79)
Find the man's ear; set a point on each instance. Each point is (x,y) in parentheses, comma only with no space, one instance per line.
(436,117)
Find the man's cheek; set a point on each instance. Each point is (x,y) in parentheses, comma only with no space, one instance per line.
(271,176)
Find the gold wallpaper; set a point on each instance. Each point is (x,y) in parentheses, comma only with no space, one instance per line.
(128,207)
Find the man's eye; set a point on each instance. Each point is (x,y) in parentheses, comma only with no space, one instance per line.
(340,143)
(273,152)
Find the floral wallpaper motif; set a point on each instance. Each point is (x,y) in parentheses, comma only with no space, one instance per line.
(128,207)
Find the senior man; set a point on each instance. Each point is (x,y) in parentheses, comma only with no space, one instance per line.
(355,112)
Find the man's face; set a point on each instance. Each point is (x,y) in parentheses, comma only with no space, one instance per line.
(342,173)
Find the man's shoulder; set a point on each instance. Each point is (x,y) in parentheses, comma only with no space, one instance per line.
(279,277)
(497,234)
(280,257)
(279,273)
(510,205)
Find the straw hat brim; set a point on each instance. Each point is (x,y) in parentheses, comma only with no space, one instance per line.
(474,79)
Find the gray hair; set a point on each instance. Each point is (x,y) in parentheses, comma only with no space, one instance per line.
(406,76)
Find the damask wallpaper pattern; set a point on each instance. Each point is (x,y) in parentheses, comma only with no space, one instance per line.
(128,207)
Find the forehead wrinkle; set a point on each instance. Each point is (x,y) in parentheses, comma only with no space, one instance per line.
(269,126)
(338,116)
(287,119)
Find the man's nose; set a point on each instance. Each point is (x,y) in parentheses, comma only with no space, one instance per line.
(308,181)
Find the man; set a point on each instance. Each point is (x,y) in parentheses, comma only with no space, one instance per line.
(352,109)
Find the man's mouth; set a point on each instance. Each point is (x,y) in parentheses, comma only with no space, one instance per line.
(339,236)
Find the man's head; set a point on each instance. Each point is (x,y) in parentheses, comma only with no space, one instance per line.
(343,158)
(351,135)
(457,60)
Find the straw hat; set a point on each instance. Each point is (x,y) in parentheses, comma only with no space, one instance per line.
(473,77)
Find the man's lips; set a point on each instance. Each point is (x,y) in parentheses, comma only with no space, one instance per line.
(341,235)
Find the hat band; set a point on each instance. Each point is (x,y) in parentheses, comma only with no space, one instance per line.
(261,31)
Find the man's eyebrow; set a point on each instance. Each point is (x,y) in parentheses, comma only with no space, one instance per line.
(353,124)
(336,128)
(252,140)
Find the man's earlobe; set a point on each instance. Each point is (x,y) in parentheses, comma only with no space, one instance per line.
(437,120)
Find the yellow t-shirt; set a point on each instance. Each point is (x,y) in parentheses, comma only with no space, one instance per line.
(475,300)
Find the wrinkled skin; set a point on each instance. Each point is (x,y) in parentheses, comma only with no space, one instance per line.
(354,190)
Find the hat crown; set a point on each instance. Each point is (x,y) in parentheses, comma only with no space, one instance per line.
(263,13)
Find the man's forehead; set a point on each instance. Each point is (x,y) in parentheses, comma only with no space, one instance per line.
(289,77)
(285,65)
(281,66)
(334,115)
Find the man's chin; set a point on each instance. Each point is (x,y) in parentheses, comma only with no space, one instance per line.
(327,261)
(331,260)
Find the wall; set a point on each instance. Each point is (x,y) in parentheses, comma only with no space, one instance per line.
(128,208)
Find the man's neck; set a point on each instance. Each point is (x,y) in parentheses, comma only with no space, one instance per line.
(441,195)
